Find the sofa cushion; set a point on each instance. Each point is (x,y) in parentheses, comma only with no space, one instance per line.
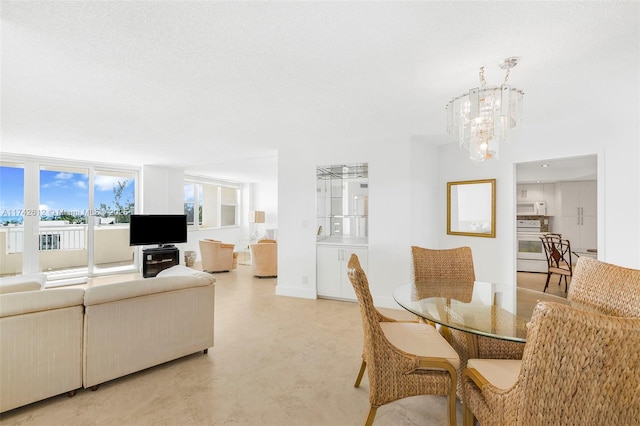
(39,300)
(181,270)
(19,283)
(129,289)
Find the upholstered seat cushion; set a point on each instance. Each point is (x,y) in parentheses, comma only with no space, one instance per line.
(419,339)
(501,373)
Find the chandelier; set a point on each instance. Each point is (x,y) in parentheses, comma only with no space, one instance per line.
(480,120)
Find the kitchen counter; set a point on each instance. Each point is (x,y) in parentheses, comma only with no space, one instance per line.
(347,241)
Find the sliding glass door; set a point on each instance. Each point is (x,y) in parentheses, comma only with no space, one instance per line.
(63,231)
(114,202)
(66,220)
(12,218)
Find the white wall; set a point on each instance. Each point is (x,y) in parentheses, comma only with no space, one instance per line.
(265,198)
(393,190)
(162,190)
(598,118)
(588,116)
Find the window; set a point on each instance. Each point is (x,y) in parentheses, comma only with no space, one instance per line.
(77,212)
(114,203)
(216,204)
(13,214)
(49,241)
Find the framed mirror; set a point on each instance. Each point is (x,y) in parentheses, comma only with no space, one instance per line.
(471,208)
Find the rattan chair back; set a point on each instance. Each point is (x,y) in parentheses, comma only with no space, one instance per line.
(611,289)
(393,374)
(450,273)
(578,368)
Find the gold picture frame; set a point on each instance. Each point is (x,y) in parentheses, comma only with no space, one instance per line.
(471,208)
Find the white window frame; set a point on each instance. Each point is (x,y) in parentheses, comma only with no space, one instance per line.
(199,181)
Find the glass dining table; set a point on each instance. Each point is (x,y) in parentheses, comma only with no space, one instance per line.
(478,308)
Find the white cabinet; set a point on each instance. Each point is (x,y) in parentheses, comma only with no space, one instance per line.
(530,192)
(538,192)
(578,213)
(331,270)
(549,197)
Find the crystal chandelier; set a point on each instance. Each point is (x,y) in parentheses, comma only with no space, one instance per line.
(481,119)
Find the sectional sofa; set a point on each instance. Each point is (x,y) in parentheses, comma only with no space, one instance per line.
(54,341)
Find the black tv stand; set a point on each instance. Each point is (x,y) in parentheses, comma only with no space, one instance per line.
(156,259)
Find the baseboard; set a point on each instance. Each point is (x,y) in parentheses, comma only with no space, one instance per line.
(306,293)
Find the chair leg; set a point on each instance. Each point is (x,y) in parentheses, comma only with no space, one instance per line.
(468,418)
(546,284)
(360,373)
(370,417)
(452,404)
(565,283)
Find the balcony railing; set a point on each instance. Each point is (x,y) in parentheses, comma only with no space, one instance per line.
(58,237)
(64,246)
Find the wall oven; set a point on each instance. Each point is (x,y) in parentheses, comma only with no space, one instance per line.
(530,256)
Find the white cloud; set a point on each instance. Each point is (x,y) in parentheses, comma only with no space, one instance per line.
(64,175)
(107,183)
(80,184)
(189,192)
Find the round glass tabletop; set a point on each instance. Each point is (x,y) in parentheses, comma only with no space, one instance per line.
(476,307)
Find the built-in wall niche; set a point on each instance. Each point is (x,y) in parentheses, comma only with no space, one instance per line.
(342,201)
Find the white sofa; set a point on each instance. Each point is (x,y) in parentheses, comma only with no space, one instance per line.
(40,345)
(54,341)
(134,325)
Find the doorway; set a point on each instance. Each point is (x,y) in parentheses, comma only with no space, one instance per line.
(563,193)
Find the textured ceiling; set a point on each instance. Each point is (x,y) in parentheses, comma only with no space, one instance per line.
(219,87)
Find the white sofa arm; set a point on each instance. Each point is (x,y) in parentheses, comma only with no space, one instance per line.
(22,283)
(40,345)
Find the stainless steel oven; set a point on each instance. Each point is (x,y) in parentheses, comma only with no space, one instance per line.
(530,254)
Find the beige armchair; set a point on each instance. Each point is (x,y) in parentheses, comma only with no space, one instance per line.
(217,256)
(264,258)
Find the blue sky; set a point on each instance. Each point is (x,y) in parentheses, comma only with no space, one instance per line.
(59,190)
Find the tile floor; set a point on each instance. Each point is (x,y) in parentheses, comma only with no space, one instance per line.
(276,361)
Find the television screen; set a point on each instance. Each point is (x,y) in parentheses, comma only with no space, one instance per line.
(146,229)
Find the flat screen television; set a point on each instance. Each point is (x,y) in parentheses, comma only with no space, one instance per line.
(161,229)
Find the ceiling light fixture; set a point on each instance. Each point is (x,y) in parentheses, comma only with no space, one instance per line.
(481,119)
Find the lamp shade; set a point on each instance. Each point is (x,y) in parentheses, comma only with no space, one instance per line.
(256,216)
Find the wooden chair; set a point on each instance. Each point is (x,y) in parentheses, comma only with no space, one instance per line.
(453,270)
(402,359)
(611,289)
(558,254)
(578,368)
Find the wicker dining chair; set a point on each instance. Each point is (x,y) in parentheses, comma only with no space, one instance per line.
(578,368)
(456,266)
(609,288)
(402,359)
